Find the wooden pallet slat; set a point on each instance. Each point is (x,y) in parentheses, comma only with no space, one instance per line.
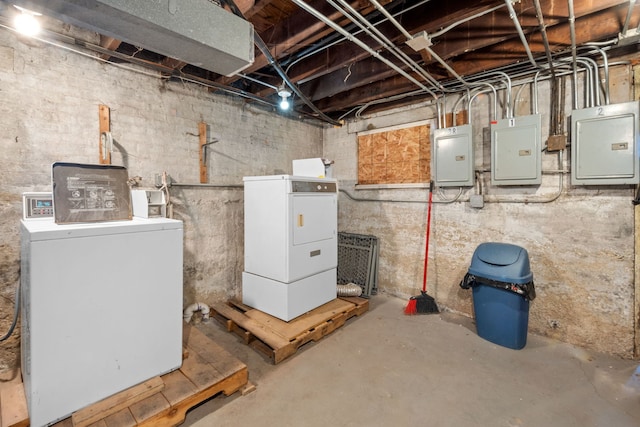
(151,410)
(290,330)
(117,402)
(361,305)
(212,353)
(177,412)
(198,371)
(278,339)
(261,331)
(122,418)
(177,387)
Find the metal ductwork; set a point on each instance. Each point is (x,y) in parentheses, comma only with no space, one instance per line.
(197,32)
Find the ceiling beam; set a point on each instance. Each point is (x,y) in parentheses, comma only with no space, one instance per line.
(173,63)
(348,78)
(395,85)
(295,32)
(109,43)
(599,26)
(602,24)
(497,27)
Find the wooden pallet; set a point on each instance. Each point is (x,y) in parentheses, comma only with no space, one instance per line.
(13,404)
(278,339)
(207,369)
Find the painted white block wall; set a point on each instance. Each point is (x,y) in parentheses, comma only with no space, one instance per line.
(49,101)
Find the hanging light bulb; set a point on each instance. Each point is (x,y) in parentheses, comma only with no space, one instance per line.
(26,23)
(284,93)
(284,103)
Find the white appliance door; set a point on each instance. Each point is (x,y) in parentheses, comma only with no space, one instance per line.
(314,234)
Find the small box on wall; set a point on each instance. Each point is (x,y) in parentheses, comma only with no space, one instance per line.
(316,168)
(149,203)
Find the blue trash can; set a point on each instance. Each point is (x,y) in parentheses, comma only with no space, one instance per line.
(502,282)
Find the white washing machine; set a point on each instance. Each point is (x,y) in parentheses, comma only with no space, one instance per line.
(101,310)
(291,244)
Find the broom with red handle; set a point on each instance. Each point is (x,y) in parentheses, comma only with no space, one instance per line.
(423,303)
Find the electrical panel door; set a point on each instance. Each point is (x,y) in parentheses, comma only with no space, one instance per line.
(453,160)
(516,151)
(604,145)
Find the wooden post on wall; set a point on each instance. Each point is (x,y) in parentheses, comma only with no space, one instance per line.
(202,133)
(462,118)
(104,149)
(636,234)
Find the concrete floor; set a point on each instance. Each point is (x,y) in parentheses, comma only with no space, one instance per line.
(387,369)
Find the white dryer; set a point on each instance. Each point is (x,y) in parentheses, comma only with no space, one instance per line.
(291,246)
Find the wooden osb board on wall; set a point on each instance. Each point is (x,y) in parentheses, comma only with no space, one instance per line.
(398,155)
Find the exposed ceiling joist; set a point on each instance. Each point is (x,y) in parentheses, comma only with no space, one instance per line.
(337,75)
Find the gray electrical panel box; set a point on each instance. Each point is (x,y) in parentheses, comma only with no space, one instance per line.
(453,159)
(516,152)
(604,145)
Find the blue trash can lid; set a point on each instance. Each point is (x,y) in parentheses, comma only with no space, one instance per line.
(501,261)
(498,253)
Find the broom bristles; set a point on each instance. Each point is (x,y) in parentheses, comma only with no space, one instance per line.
(411,307)
(425,304)
(421,304)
